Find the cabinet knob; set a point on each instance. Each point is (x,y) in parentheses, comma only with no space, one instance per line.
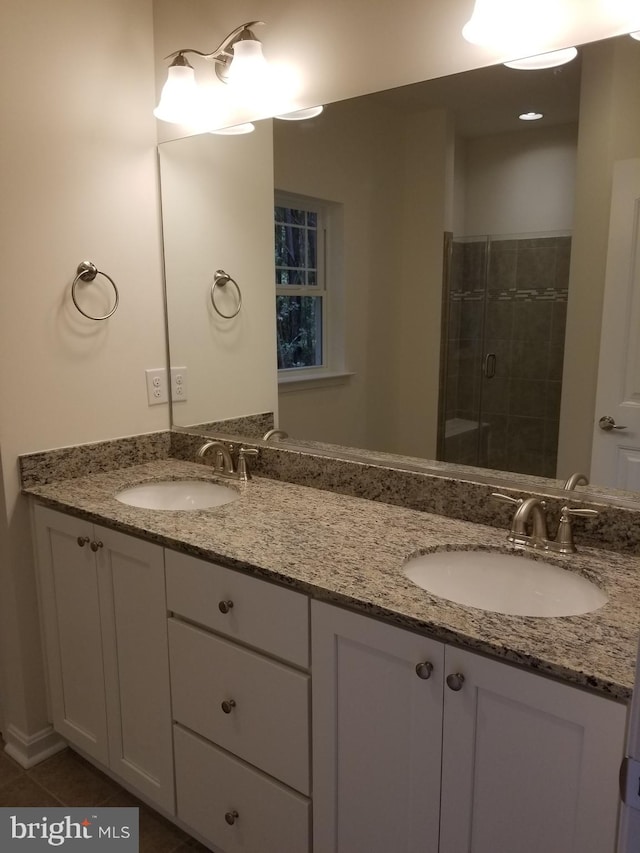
(424,669)
(95,546)
(228,705)
(455,681)
(225,606)
(231,817)
(82,541)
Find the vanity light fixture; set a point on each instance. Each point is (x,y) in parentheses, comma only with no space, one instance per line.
(522,27)
(530,116)
(543,60)
(238,61)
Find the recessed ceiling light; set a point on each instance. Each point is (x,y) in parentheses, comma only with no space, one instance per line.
(530,116)
(543,60)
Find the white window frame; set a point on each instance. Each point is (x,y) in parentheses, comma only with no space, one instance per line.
(329,288)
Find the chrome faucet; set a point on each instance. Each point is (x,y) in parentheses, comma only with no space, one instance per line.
(576,480)
(223,461)
(274,433)
(534,508)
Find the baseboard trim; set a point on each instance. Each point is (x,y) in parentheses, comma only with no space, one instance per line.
(29,750)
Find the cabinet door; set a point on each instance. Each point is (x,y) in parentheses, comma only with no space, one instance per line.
(377,729)
(136,663)
(70,614)
(529,764)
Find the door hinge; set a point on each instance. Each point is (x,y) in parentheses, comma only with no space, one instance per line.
(630,782)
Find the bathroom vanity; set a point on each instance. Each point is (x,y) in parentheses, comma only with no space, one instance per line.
(269,658)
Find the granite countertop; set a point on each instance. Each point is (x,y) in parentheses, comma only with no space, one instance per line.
(351,551)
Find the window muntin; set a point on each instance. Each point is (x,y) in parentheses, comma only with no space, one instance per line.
(301,293)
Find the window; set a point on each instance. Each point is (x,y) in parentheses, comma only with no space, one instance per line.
(301,288)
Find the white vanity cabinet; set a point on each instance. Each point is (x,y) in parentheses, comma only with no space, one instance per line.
(239,651)
(103,610)
(510,761)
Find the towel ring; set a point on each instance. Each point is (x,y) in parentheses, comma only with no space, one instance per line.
(87,272)
(221,279)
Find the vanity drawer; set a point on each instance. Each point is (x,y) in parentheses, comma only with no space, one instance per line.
(271,618)
(268,725)
(210,784)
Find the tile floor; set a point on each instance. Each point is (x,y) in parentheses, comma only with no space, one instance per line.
(66,779)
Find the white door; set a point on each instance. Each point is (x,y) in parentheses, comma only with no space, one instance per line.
(528,764)
(70,610)
(377,734)
(629,836)
(615,459)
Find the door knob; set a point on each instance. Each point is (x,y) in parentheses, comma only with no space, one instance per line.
(82,541)
(231,817)
(95,546)
(607,423)
(424,669)
(228,705)
(225,606)
(455,681)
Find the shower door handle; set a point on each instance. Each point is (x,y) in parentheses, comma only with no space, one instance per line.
(490,365)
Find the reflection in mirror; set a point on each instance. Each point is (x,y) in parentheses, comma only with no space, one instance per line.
(408,168)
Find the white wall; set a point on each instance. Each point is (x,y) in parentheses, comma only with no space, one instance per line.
(521,182)
(78,177)
(609,131)
(217,202)
(390,173)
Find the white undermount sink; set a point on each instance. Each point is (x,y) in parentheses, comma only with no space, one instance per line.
(504,583)
(177,494)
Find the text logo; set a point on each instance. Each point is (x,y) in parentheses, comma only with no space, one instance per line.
(38,829)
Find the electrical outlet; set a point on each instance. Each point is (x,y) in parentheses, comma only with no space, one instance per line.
(178,384)
(157,386)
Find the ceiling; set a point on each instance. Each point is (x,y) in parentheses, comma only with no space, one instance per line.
(489,100)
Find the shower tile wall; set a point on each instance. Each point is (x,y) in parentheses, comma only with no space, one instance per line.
(507,297)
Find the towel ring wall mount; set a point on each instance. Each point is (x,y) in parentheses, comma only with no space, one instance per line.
(221,279)
(88,271)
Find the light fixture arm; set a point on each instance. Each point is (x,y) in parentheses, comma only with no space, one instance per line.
(222,55)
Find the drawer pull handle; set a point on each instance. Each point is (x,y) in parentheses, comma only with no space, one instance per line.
(95,546)
(228,705)
(424,669)
(231,817)
(455,681)
(82,541)
(225,606)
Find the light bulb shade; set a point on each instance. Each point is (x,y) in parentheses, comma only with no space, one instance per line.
(248,66)
(301,115)
(180,97)
(523,28)
(544,60)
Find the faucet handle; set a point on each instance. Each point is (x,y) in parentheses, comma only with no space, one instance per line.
(564,537)
(243,469)
(507,498)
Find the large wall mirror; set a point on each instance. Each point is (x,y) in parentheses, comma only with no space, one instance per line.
(423,270)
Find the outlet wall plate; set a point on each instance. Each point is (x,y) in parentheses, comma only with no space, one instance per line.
(157,390)
(178,384)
